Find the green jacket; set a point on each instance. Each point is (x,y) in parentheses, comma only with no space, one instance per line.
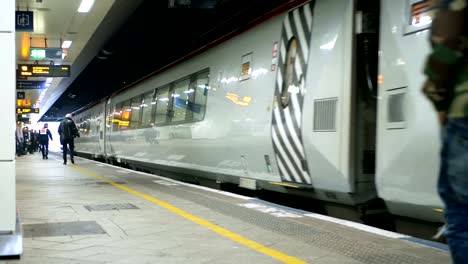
(447,64)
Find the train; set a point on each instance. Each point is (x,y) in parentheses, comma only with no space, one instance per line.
(318,99)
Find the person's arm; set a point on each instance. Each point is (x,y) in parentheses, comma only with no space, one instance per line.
(49,134)
(75,130)
(60,129)
(447,45)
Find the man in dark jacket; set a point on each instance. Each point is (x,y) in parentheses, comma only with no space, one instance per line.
(44,135)
(27,140)
(68,131)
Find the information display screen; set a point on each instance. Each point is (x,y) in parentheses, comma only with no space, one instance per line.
(37,70)
(27,110)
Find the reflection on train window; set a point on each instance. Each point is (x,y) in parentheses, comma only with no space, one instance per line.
(135,117)
(146,106)
(126,113)
(201,92)
(289,72)
(180,100)
(86,126)
(420,15)
(116,117)
(162,101)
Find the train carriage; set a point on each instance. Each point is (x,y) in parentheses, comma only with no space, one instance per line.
(321,100)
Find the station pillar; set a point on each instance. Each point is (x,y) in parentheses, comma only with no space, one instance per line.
(7,119)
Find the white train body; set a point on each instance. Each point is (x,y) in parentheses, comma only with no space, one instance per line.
(279,107)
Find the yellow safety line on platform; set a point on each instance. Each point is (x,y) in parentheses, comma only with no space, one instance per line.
(285,184)
(222,231)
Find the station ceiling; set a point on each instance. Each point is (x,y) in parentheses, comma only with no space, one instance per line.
(56,21)
(121,41)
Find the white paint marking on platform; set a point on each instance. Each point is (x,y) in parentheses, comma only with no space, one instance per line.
(163,182)
(355,225)
(270,210)
(123,171)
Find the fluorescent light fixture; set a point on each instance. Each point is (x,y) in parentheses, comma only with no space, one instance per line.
(85,6)
(66,44)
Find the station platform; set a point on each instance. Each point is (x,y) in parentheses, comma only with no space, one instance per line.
(92,212)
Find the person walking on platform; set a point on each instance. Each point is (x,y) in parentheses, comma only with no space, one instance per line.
(68,131)
(447,87)
(27,140)
(34,140)
(19,141)
(44,135)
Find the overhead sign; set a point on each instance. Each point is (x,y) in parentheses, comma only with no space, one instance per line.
(45,53)
(28,85)
(37,70)
(24,21)
(27,110)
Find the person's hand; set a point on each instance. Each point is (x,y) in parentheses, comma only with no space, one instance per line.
(443,118)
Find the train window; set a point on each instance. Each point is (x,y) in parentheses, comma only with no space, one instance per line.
(135,120)
(147,105)
(180,100)
(86,126)
(246,68)
(116,116)
(289,85)
(191,97)
(162,101)
(197,106)
(126,113)
(420,15)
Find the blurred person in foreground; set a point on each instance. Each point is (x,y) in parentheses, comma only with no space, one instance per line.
(446,86)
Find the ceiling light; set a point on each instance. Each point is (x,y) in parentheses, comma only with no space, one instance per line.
(85,6)
(66,44)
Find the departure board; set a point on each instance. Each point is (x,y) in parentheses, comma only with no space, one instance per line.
(27,110)
(38,70)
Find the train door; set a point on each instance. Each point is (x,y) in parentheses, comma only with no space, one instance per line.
(289,95)
(364,104)
(100,126)
(408,131)
(109,116)
(325,103)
